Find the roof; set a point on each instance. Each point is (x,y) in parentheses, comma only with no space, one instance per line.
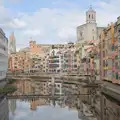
(91,9)
(81,26)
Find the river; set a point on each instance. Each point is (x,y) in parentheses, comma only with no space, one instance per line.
(45,100)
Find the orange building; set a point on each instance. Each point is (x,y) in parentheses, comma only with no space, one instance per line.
(38,49)
(19,62)
(110,53)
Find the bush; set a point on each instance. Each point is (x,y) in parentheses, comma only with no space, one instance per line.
(8,89)
(11,81)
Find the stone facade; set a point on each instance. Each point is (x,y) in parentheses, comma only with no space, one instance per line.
(12,44)
(19,62)
(3,57)
(110,53)
(89,31)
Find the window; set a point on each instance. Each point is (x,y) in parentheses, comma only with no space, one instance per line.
(92,16)
(104,63)
(113,74)
(117,76)
(119,39)
(119,54)
(103,53)
(81,34)
(119,30)
(89,16)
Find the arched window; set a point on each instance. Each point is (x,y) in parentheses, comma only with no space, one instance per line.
(89,16)
(81,34)
(92,16)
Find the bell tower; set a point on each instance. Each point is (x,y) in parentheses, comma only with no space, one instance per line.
(91,15)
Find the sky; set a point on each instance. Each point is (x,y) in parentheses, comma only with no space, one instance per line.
(23,112)
(52,21)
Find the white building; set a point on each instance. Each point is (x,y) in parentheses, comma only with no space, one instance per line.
(55,61)
(62,59)
(89,31)
(3,57)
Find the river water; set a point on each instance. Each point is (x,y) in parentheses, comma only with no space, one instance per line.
(45,100)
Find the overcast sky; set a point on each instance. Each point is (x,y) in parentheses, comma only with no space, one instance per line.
(52,21)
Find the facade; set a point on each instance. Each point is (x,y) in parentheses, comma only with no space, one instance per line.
(39,49)
(19,62)
(110,53)
(3,57)
(116,53)
(35,64)
(89,31)
(87,58)
(63,59)
(88,44)
(55,61)
(69,64)
(45,59)
(12,44)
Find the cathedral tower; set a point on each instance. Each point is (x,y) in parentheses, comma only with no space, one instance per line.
(91,15)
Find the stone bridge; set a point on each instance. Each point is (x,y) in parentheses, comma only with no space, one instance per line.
(56,96)
(63,78)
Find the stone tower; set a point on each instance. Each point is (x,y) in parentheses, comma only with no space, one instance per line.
(12,43)
(91,15)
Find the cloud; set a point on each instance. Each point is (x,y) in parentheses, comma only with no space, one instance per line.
(52,25)
(23,112)
(56,25)
(16,24)
(107,11)
(1,2)
(15,1)
(32,32)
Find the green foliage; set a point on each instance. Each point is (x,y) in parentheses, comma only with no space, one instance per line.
(11,81)
(8,89)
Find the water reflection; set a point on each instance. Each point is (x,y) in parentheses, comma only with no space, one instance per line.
(60,101)
(4,110)
(12,106)
(110,108)
(43,112)
(36,87)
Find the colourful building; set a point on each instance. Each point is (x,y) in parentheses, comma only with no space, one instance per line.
(110,53)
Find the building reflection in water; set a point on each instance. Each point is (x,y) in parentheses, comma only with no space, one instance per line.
(4,110)
(34,103)
(91,105)
(37,87)
(12,106)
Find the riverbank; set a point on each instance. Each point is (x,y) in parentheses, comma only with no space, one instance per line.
(8,88)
